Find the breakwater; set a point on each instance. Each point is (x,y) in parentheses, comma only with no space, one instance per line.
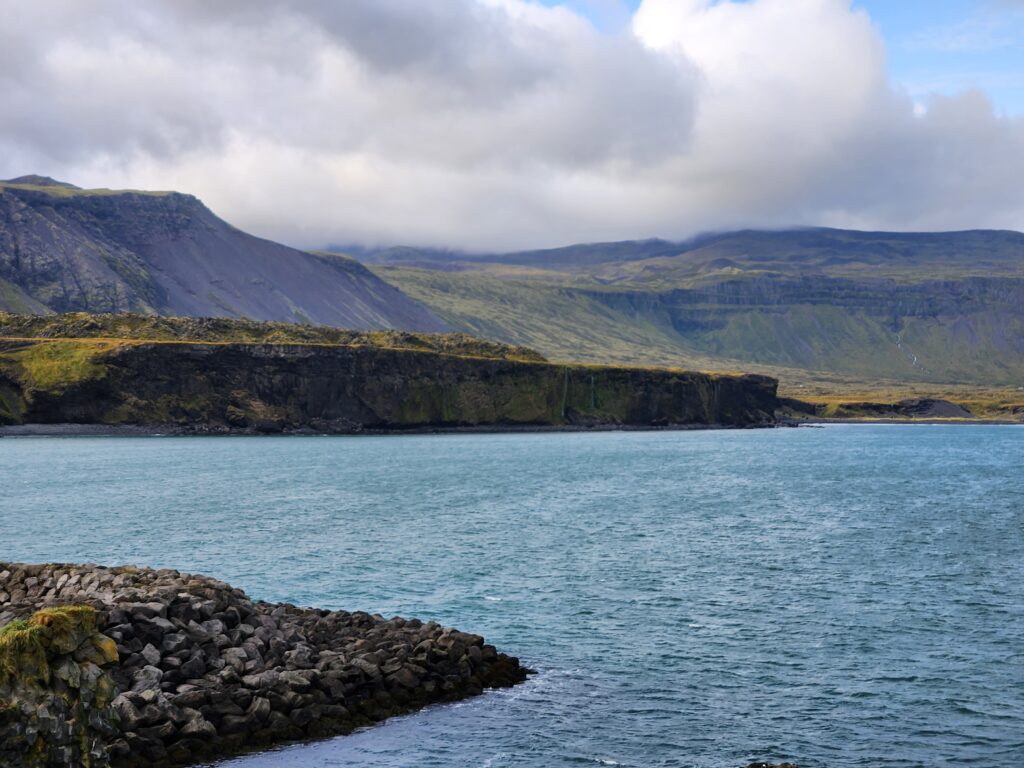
(137,667)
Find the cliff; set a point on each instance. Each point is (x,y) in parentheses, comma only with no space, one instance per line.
(135,667)
(226,386)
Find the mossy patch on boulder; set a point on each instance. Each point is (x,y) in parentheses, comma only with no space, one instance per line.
(27,645)
(55,696)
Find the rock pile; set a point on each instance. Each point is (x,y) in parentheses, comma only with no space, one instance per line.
(201,670)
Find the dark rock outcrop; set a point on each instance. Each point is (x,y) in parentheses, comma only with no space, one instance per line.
(259,388)
(913,408)
(163,668)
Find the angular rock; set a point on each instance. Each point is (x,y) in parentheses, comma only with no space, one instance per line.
(147,678)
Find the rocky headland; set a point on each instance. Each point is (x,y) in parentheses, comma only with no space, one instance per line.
(220,377)
(137,667)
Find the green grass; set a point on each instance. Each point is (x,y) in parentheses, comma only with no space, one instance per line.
(560,322)
(13,299)
(803,305)
(1006,403)
(60,364)
(818,335)
(68,192)
(55,364)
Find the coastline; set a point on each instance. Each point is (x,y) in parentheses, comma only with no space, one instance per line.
(244,388)
(177,430)
(906,422)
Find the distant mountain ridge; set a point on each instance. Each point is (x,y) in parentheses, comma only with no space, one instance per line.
(943,307)
(781,250)
(582,254)
(67,249)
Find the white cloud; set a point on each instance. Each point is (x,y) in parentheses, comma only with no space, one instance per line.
(498,123)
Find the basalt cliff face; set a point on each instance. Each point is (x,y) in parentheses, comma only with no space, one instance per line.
(270,388)
(273,387)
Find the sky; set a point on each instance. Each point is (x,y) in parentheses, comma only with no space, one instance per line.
(944,46)
(507,124)
(933,46)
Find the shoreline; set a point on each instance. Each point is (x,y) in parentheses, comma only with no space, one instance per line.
(15,431)
(812,422)
(176,430)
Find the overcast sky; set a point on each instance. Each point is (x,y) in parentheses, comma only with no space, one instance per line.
(503,124)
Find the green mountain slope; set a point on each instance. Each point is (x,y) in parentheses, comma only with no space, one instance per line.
(938,308)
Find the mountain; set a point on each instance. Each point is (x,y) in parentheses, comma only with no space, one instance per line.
(824,308)
(63,249)
(800,252)
(806,305)
(569,256)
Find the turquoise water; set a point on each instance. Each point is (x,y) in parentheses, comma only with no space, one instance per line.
(848,596)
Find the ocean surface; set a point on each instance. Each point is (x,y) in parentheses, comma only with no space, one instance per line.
(843,596)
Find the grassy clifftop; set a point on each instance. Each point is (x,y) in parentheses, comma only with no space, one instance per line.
(129,327)
(44,185)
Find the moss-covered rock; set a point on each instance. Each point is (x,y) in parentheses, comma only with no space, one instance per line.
(55,693)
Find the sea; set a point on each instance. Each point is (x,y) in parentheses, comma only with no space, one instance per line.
(849,595)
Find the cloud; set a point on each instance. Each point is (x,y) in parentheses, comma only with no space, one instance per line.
(498,124)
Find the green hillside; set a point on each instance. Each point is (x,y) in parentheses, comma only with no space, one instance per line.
(814,307)
(218,330)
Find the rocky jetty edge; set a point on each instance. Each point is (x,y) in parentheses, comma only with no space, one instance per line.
(125,666)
